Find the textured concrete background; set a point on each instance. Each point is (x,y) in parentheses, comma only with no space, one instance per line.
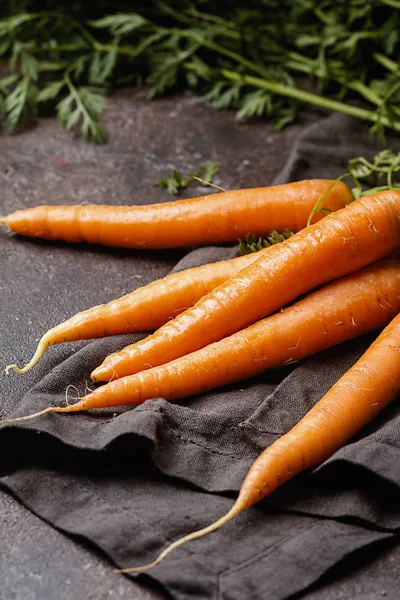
(47,165)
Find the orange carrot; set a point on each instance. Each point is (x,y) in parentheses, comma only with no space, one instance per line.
(357,235)
(364,391)
(343,309)
(146,308)
(222,217)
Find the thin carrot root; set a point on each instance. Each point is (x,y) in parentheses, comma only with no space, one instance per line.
(236,508)
(3,220)
(14,368)
(41,347)
(67,396)
(51,409)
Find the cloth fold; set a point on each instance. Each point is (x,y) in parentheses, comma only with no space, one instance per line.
(132,480)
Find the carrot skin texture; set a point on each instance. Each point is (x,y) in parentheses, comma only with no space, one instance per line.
(222,217)
(344,309)
(343,242)
(145,309)
(357,397)
(152,305)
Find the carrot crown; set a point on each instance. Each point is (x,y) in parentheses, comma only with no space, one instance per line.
(361,171)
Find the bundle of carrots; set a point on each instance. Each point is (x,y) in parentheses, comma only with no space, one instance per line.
(212,333)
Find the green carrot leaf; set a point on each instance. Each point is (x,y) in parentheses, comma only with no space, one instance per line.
(210,170)
(120,24)
(267,59)
(83,106)
(50,91)
(21,104)
(177,182)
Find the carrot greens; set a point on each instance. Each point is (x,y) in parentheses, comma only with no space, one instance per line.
(367,177)
(385,165)
(253,243)
(252,56)
(177,182)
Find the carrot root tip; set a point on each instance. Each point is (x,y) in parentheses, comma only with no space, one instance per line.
(12,368)
(18,369)
(236,508)
(41,347)
(99,374)
(81,405)
(34,415)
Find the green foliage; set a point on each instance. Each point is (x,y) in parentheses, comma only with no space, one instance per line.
(252,243)
(177,182)
(82,106)
(121,24)
(367,177)
(247,56)
(381,174)
(20,103)
(207,173)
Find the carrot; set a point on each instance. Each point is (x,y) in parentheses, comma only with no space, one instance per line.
(357,235)
(359,395)
(343,309)
(146,308)
(222,217)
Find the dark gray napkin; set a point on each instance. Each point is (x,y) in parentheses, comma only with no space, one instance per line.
(131,481)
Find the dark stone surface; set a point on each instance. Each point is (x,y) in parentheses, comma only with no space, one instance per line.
(39,563)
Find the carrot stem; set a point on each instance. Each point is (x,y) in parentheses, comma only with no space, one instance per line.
(236,508)
(309,98)
(210,184)
(318,203)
